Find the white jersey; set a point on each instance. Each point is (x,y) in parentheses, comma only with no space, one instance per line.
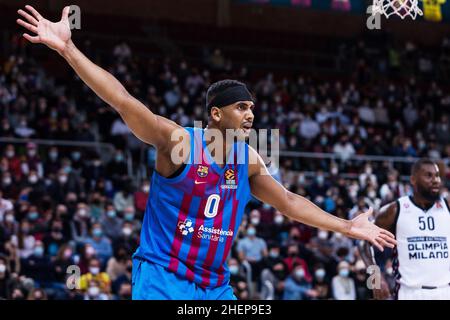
(423,239)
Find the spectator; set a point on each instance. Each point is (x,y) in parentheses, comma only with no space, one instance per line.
(362,291)
(342,285)
(5,206)
(37,294)
(111,223)
(116,266)
(100,243)
(321,283)
(37,266)
(253,250)
(141,196)
(123,277)
(95,275)
(292,261)
(296,287)
(123,198)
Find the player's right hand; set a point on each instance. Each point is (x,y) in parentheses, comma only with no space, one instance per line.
(383,293)
(55,35)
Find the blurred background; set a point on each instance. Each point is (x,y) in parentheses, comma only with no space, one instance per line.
(355,107)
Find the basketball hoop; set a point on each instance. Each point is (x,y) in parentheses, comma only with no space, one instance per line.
(402,8)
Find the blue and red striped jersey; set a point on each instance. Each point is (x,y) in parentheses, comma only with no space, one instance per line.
(191,220)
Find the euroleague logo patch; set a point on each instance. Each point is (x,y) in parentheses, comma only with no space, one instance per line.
(230,180)
(229,174)
(202,171)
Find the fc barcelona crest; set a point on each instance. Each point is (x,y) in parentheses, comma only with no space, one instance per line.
(202,171)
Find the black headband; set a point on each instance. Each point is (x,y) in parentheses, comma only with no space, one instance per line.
(230,96)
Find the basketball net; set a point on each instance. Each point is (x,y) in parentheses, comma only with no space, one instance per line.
(402,8)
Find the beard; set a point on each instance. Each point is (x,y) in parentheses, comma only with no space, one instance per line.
(428,194)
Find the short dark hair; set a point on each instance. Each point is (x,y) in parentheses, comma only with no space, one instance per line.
(419,163)
(218,87)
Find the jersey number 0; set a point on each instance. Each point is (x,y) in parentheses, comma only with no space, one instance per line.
(212,206)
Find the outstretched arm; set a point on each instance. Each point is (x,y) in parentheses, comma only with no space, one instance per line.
(147,126)
(296,207)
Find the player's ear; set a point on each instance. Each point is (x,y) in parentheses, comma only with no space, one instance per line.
(412,180)
(216,114)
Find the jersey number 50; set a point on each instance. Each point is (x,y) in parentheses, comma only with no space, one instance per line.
(426,224)
(212,206)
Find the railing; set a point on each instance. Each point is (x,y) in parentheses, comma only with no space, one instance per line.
(333,157)
(248,277)
(105,150)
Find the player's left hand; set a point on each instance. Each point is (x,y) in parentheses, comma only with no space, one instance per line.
(362,228)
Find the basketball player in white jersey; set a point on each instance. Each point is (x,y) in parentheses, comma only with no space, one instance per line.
(421,224)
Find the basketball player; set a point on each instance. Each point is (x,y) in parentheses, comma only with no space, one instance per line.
(196,206)
(421,223)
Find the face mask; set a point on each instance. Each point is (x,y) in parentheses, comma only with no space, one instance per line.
(82,212)
(234,269)
(389,271)
(111,213)
(94,291)
(320,273)
(2,268)
(39,251)
(53,155)
(127,231)
(266,206)
(320,179)
(9,218)
(10,153)
(251,232)
(97,233)
(323,235)
(62,179)
(119,158)
(129,216)
(338,235)
(7,181)
(274,254)
(278,219)
(344,273)
(90,251)
(76,156)
(334,170)
(33,215)
(146,189)
(94,270)
(67,254)
(32,153)
(33,179)
(300,273)
(254,221)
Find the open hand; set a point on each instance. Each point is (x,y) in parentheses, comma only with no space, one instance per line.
(362,228)
(55,35)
